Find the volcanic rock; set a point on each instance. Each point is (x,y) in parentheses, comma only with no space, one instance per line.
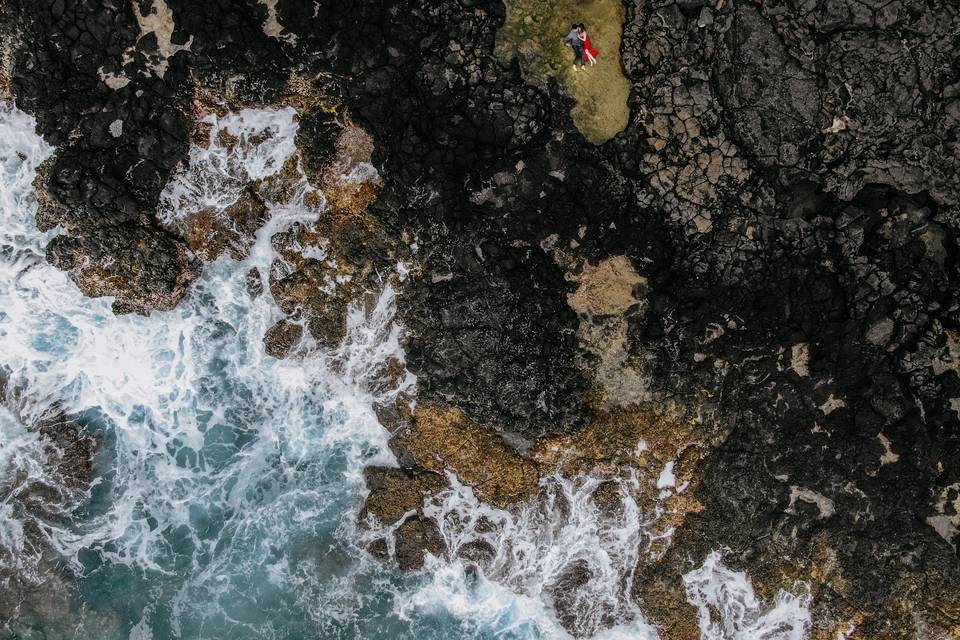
(281,338)
(210,234)
(415,537)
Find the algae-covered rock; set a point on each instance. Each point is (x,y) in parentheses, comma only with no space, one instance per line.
(398,495)
(210,233)
(533,33)
(414,538)
(441,439)
(341,259)
(396,492)
(324,268)
(281,338)
(145,268)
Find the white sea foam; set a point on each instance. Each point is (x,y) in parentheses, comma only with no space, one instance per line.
(667,479)
(561,556)
(559,553)
(21,464)
(251,144)
(21,451)
(211,443)
(728,609)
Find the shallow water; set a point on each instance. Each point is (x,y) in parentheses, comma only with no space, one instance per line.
(227,483)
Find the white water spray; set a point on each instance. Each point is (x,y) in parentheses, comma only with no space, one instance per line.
(562,556)
(728,609)
(208,443)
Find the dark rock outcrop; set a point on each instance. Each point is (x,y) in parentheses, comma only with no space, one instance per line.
(110,85)
(397,496)
(43,483)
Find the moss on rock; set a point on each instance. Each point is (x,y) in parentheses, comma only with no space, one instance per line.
(533,33)
(442,438)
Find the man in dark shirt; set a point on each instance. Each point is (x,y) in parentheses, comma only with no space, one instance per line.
(573,39)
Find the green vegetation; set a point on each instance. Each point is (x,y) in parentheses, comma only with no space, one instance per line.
(533,33)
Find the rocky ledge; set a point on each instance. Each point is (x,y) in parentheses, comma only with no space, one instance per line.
(48,474)
(757,277)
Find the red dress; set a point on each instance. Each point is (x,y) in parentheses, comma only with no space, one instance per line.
(588,50)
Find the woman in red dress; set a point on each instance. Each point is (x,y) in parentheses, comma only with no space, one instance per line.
(588,51)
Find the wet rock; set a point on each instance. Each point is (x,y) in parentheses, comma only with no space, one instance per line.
(655,439)
(143,267)
(414,538)
(379,549)
(396,492)
(281,338)
(317,139)
(254,282)
(443,438)
(341,259)
(565,594)
(110,88)
(477,551)
(663,599)
(350,182)
(210,233)
(325,268)
(41,487)
(68,448)
(607,497)
(389,415)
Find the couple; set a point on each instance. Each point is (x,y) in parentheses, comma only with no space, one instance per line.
(583,52)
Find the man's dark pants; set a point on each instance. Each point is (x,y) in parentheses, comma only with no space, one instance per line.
(578,56)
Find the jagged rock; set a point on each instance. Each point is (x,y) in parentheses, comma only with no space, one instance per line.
(415,537)
(254,282)
(325,268)
(36,585)
(350,182)
(396,492)
(607,497)
(440,439)
(564,592)
(477,551)
(393,415)
(143,267)
(317,141)
(112,95)
(281,338)
(210,234)
(394,495)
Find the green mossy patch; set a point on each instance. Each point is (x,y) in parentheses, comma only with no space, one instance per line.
(533,33)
